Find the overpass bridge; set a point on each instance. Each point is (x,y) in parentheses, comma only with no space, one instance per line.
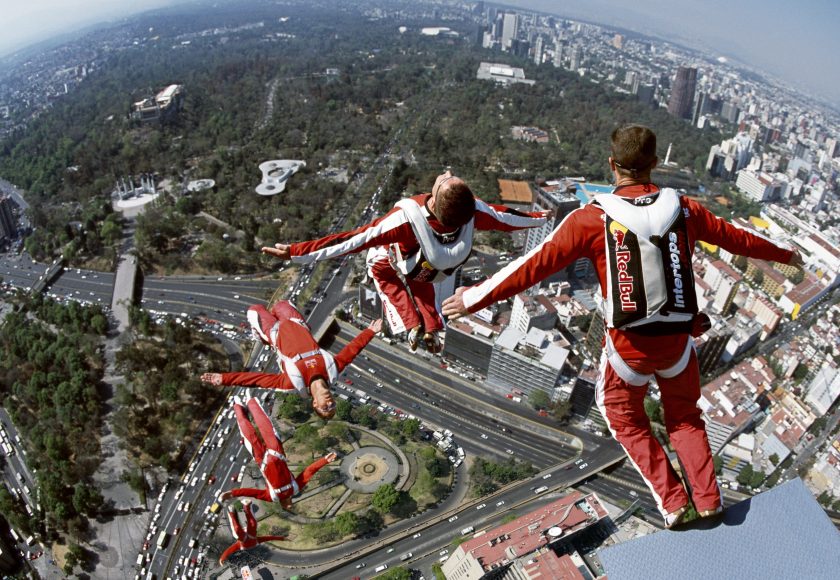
(53,270)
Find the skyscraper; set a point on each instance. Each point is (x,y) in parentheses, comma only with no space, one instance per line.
(557,196)
(538,50)
(682,93)
(509,29)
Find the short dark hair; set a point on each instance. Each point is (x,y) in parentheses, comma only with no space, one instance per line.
(454,204)
(633,148)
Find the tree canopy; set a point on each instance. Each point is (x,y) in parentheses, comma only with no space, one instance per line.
(412,96)
(50,381)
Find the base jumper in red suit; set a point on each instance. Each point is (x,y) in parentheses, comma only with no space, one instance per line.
(247,538)
(269,455)
(305,365)
(635,355)
(410,249)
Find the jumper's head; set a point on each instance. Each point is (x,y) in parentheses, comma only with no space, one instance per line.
(322,399)
(633,151)
(452,202)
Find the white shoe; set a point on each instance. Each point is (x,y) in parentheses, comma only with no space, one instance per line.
(675,517)
(414,338)
(238,401)
(710,513)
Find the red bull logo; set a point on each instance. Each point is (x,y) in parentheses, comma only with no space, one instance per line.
(623,277)
(625,282)
(426,273)
(618,233)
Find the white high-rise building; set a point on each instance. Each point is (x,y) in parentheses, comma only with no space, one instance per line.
(723,281)
(509,29)
(759,186)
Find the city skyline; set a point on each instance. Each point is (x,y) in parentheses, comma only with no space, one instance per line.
(745,34)
(755,33)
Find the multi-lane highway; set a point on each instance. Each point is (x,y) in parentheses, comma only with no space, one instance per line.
(410,383)
(222,298)
(18,479)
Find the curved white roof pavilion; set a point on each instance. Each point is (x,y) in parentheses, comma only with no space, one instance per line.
(275,173)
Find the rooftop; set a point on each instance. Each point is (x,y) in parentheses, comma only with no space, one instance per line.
(730,398)
(781,533)
(807,290)
(564,190)
(726,269)
(470,324)
(536,344)
(788,429)
(768,271)
(548,565)
(515,191)
(502,73)
(525,534)
(825,245)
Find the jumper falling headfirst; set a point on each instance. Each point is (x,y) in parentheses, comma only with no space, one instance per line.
(421,241)
(265,446)
(306,367)
(247,538)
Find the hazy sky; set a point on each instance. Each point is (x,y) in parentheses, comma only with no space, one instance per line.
(25,22)
(797,40)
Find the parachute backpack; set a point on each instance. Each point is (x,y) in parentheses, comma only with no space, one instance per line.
(649,275)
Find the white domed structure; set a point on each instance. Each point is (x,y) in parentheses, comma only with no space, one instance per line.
(200,185)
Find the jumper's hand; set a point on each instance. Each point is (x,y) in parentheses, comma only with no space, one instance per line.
(545,213)
(796,260)
(212,378)
(331,457)
(282,251)
(453,307)
(376,325)
(441,179)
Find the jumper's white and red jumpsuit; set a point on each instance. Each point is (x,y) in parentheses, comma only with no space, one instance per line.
(302,360)
(394,229)
(247,538)
(581,235)
(269,455)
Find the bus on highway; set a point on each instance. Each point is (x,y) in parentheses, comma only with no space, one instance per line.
(162,540)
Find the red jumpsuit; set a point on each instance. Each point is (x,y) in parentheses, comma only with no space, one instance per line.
(581,235)
(269,455)
(247,538)
(300,357)
(394,229)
